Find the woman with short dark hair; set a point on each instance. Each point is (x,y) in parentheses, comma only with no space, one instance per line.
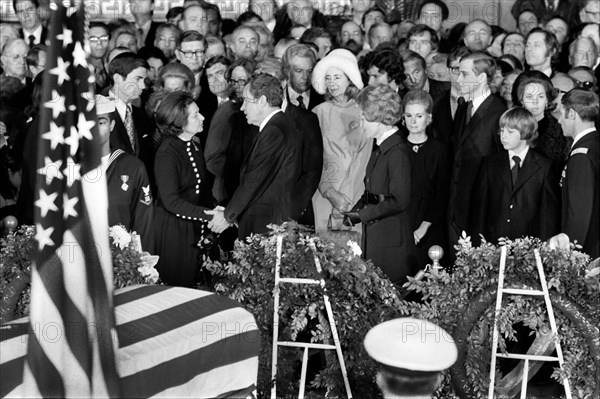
(183,190)
(535,92)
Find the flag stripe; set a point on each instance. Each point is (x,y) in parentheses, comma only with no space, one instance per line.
(75,329)
(47,377)
(12,375)
(159,323)
(134,294)
(177,371)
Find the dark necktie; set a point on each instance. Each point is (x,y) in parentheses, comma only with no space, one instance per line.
(31,41)
(515,169)
(301,102)
(469,111)
(550,6)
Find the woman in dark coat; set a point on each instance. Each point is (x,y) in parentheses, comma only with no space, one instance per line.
(384,210)
(183,191)
(535,92)
(430,178)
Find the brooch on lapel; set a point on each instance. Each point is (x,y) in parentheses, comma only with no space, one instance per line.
(124,179)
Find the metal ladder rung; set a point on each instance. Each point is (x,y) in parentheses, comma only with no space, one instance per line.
(305,345)
(519,291)
(534,358)
(525,357)
(299,281)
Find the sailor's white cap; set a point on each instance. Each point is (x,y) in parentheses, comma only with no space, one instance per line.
(104,105)
(411,346)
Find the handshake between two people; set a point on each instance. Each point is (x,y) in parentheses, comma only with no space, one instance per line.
(218,224)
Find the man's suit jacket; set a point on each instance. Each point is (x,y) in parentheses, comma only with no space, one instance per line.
(530,207)
(438,88)
(144,148)
(315,98)
(473,141)
(43,37)
(581,194)
(229,140)
(307,129)
(267,180)
(442,119)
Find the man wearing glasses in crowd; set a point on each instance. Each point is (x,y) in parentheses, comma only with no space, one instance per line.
(190,53)
(98,37)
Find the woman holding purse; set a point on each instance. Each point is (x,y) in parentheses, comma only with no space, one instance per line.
(346,149)
(384,209)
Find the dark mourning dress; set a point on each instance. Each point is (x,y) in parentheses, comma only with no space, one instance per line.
(429,195)
(183,194)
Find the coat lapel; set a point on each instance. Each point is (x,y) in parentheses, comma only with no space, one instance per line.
(529,168)
(480,113)
(501,163)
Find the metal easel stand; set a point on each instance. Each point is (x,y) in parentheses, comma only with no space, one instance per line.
(305,345)
(525,357)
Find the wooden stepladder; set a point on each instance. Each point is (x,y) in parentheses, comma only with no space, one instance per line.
(305,345)
(525,357)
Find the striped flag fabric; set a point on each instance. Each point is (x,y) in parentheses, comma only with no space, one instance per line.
(72,335)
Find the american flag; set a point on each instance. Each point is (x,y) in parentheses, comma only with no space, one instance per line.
(72,337)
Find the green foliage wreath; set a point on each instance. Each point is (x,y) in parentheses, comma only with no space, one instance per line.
(463,302)
(361,297)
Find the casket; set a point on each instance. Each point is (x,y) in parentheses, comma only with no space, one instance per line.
(173,342)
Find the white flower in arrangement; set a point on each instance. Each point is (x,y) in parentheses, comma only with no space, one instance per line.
(121,238)
(147,268)
(354,247)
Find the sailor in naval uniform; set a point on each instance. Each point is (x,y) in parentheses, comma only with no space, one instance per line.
(129,193)
(411,355)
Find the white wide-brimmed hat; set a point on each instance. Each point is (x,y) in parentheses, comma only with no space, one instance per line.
(339,58)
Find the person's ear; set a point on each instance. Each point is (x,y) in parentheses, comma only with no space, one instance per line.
(118,78)
(112,125)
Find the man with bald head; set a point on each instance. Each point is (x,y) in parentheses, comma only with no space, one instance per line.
(13,59)
(244,43)
(380,33)
(351,37)
(478,35)
(195,18)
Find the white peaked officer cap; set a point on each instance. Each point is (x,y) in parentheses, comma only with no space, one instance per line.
(411,346)
(104,105)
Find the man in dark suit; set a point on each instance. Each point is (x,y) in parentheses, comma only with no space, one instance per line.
(270,171)
(308,130)
(297,64)
(514,200)
(475,136)
(445,105)
(580,180)
(415,69)
(133,129)
(142,11)
(32,30)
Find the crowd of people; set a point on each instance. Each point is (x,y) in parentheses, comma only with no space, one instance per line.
(381,123)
